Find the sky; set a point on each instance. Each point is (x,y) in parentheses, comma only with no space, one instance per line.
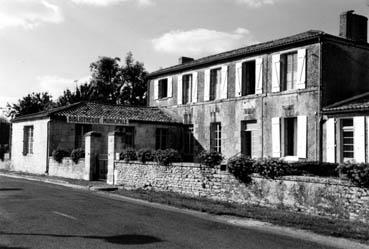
(48,45)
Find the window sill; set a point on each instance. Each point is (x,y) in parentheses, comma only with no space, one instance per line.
(163,99)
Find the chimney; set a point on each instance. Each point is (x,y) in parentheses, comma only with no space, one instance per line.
(353,27)
(183,60)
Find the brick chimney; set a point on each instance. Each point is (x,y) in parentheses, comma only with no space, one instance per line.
(183,60)
(353,27)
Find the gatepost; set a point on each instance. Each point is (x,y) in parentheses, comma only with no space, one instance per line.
(92,148)
(114,147)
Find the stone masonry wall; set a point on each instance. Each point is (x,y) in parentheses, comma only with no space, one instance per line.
(311,195)
(67,168)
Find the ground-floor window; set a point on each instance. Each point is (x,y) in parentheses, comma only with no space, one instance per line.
(347,139)
(80,131)
(128,136)
(27,140)
(247,130)
(289,135)
(161,138)
(216,137)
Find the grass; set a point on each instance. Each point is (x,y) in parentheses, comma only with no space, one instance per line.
(318,224)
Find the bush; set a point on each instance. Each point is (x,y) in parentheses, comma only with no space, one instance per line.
(313,168)
(128,154)
(357,173)
(241,167)
(167,157)
(59,154)
(77,154)
(210,159)
(271,167)
(145,155)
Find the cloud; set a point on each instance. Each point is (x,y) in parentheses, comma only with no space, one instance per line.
(201,41)
(258,3)
(28,13)
(104,3)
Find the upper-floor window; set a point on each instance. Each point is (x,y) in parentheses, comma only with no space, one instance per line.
(187,88)
(163,88)
(215,83)
(27,140)
(288,71)
(248,78)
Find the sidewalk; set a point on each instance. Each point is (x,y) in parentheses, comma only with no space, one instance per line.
(104,190)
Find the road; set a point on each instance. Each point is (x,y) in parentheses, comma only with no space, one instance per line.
(40,215)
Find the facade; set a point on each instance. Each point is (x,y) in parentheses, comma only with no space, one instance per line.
(267,100)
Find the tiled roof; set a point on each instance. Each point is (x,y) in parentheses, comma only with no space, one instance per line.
(96,110)
(355,104)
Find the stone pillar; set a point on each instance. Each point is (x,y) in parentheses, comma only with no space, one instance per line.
(114,148)
(92,148)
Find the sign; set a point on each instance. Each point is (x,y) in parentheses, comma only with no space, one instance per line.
(91,120)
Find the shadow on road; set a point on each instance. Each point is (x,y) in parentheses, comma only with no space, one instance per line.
(124,239)
(10,189)
(12,247)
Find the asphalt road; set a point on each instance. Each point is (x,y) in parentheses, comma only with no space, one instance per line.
(40,215)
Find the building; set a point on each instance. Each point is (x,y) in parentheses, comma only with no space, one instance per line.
(267,100)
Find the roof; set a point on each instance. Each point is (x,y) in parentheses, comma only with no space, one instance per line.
(308,36)
(105,111)
(357,103)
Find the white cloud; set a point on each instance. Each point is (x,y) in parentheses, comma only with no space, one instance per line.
(104,3)
(201,41)
(28,13)
(258,3)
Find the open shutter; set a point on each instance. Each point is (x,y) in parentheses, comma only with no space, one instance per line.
(301,136)
(238,81)
(179,90)
(224,83)
(330,140)
(194,87)
(156,89)
(359,139)
(301,69)
(276,72)
(276,137)
(207,85)
(170,87)
(259,75)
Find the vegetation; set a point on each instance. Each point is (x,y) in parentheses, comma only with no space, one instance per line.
(32,103)
(59,154)
(128,154)
(357,173)
(167,157)
(145,155)
(77,154)
(210,158)
(241,167)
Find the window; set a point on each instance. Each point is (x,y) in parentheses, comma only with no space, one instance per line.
(248,78)
(290,136)
(186,88)
(161,138)
(288,71)
(215,84)
(80,131)
(128,136)
(27,140)
(347,138)
(216,137)
(188,141)
(163,88)
(247,130)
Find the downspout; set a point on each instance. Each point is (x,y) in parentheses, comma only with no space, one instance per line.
(47,147)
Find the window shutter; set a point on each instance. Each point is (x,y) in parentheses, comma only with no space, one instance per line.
(359,139)
(170,87)
(194,87)
(330,140)
(301,69)
(238,78)
(207,85)
(179,89)
(156,89)
(25,141)
(276,72)
(301,136)
(276,137)
(224,83)
(259,75)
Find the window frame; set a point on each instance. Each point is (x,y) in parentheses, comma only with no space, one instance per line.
(214,89)
(216,137)
(346,129)
(244,82)
(161,86)
(28,141)
(286,140)
(189,91)
(128,133)
(161,138)
(78,138)
(284,85)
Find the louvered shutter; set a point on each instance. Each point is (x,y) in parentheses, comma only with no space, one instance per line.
(238,81)
(207,85)
(25,140)
(301,69)
(276,72)
(259,75)
(194,87)
(276,137)
(301,136)
(359,139)
(170,87)
(224,83)
(156,89)
(179,90)
(330,140)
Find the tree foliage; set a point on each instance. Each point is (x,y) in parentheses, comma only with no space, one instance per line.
(32,103)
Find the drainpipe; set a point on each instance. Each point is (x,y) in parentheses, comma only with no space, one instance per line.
(47,147)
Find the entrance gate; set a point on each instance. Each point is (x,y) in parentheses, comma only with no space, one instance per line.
(101,167)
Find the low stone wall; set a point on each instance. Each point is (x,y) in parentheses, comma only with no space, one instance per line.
(67,168)
(311,195)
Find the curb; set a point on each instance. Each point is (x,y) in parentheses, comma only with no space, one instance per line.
(229,220)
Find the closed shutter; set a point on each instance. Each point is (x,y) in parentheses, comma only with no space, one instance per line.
(170,87)
(276,137)
(301,69)
(238,78)
(179,90)
(301,136)
(359,139)
(25,140)
(156,89)
(259,75)
(276,72)
(207,85)
(194,87)
(330,140)
(224,83)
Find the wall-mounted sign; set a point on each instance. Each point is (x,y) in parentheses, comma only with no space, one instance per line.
(91,120)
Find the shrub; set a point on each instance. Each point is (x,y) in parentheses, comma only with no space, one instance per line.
(271,167)
(313,168)
(241,167)
(128,154)
(357,173)
(210,159)
(167,157)
(145,155)
(77,154)
(59,154)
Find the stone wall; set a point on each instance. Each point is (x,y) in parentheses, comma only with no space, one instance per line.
(312,195)
(67,168)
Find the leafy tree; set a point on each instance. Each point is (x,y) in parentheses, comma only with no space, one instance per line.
(32,103)
(81,93)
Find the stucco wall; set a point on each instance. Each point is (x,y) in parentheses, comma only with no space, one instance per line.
(32,163)
(67,168)
(317,196)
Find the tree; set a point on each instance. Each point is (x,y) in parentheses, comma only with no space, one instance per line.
(81,93)
(32,103)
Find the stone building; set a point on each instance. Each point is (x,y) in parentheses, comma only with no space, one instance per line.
(267,100)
